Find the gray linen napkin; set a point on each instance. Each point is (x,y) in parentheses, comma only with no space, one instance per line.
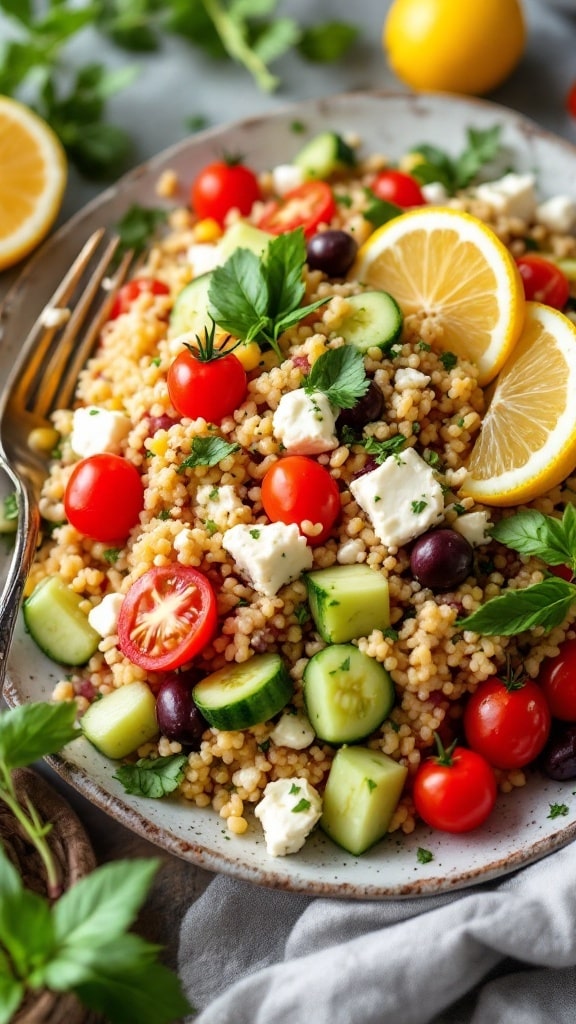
(250,955)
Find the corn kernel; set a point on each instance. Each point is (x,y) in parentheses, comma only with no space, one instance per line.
(249,354)
(237,825)
(43,439)
(207,230)
(409,161)
(158,445)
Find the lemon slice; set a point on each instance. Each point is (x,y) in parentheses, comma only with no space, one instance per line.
(454,280)
(33,177)
(527,442)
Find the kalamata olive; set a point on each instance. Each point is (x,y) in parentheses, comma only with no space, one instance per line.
(559,756)
(178,717)
(441,559)
(367,409)
(332,252)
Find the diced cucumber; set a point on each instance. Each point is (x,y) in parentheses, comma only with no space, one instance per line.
(122,720)
(324,155)
(56,622)
(190,309)
(568,267)
(374,321)
(347,694)
(242,235)
(361,795)
(348,601)
(239,696)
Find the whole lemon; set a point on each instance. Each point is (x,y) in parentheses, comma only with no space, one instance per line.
(465,46)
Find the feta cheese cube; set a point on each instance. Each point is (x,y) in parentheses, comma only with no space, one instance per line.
(289,810)
(293,730)
(269,555)
(96,430)
(434,193)
(218,502)
(305,423)
(103,617)
(350,551)
(285,177)
(558,214)
(203,257)
(474,527)
(402,498)
(513,195)
(406,377)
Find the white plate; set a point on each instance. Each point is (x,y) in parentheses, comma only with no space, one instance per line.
(520,830)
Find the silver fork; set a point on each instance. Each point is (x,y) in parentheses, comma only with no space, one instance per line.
(43,379)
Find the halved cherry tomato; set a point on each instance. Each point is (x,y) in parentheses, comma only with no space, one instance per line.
(543,281)
(456,791)
(223,186)
(297,488)
(211,388)
(104,497)
(558,681)
(399,188)
(507,722)
(167,617)
(306,207)
(130,291)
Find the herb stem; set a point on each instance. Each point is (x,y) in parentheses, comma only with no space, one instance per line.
(35,830)
(236,46)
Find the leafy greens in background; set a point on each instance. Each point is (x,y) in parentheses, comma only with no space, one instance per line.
(482,146)
(33,62)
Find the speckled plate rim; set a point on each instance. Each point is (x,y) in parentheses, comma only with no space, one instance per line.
(521,830)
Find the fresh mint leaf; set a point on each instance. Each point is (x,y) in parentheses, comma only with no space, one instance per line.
(456,173)
(543,604)
(208,451)
(153,777)
(379,211)
(138,226)
(98,908)
(11,992)
(26,930)
(339,374)
(381,450)
(32,731)
(327,42)
(533,533)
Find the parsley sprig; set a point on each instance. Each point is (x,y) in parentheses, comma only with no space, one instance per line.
(482,147)
(340,375)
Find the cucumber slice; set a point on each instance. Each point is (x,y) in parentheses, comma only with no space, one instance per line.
(242,235)
(347,694)
(324,155)
(58,625)
(375,321)
(122,720)
(348,601)
(361,795)
(190,309)
(239,696)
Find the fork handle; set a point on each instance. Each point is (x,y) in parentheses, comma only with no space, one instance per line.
(20,562)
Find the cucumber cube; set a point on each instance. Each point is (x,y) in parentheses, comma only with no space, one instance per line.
(242,235)
(55,620)
(122,720)
(361,795)
(348,601)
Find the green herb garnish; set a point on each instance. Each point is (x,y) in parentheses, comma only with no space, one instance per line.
(302,805)
(424,856)
(381,450)
(558,810)
(152,777)
(340,375)
(207,451)
(379,211)
(455,173)
(137,227)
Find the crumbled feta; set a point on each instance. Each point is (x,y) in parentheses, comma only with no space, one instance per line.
(218,502)
(474,527)
(247,778)
(183,538)
(513,195)
(285,177)
(406,377)
(289,810)
(97,430)
(103,617)
(203,257)
(434,193)
(402,498)
(350,550)
(558,214)
(305,423)
(55,316)
(293,730)
(269,555)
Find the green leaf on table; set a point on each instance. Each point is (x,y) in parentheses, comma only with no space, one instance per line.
(543,604)
(275,38)
(327,42)
(339,373)
(11,992)
(153,777)
(32,731)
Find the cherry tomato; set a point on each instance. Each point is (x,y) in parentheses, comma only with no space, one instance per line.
(571,100)
(223,186)
(104,497)
(130,291)
(508,723)
(399,188)
(297,488)
(564,572)
(212,389)
(543,281)
(306,207)
(558,682)
(456,791)
(167,617)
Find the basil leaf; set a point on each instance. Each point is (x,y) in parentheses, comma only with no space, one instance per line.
(11,992)
(532,533)
(34,730)
(339,374)
(543,604)
(208,451)
(380,211)
(238,293)
(26,929)
(284,262)
(92,913)
(153,777)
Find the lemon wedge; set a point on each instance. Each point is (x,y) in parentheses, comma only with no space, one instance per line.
(527,442)
(33,173)
(454,280)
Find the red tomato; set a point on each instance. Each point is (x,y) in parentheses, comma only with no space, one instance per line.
(456,791)
(167,617)
(104,497)
(212,389)
(543,281)
(297,488)
(563,571)
(571,100)
(306,206)
(132,289)
(399,188)
(223,186)
(508,723)
(558,682)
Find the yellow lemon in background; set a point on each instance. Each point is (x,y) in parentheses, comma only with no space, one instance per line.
(462,46)
(33,173)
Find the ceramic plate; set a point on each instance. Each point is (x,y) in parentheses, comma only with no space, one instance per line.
(521,829)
